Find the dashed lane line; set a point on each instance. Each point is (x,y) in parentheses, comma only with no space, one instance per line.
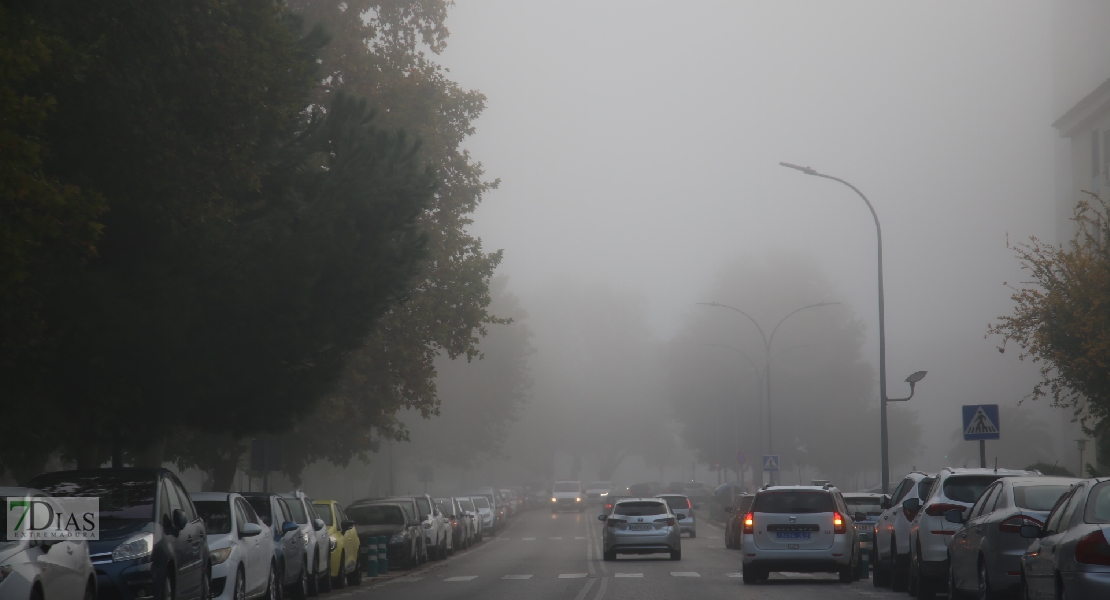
(628,574)
(529,539)
(573,575)
(517,577)
(462,578)
(684,574)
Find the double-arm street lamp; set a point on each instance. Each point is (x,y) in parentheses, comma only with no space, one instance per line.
(912,379)
(767,341)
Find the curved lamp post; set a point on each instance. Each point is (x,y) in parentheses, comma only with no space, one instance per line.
(912,379)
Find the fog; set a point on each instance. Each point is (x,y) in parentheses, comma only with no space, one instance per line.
(638,148)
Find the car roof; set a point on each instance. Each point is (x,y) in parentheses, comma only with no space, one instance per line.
(988,471)
(1043,480)
(863,495)
(635,499)
(671,495)
(798,488)
(205,496)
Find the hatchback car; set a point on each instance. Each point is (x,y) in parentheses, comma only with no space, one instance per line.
(1070,556)
(931,532)
(344,567)
(800,529)
(683,509)
(31,569)
(313,530)
(242,548)
(734,520)
(641,526)
(152,541)
(891,556)
(290,545)
(985,554)
(475,519)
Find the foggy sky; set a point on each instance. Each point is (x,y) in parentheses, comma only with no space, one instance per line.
(638,143)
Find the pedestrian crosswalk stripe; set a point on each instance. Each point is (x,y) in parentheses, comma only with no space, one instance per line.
(529,539)
(572,576)
(684,574)
(517,577)
(556,538)
(628,575)
(462,578)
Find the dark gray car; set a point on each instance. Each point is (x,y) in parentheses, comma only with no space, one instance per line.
(390,519)
(985,554)
(1070,557)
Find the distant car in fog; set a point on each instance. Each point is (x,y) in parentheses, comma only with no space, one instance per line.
(693,489)
(607,506)
(646,490)
(567,495)
(486,513)
(598,491)
(683,509)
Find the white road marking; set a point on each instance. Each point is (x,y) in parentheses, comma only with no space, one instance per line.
(555,538)
(462,578)
(572,575)
(529,539)
(585,589)
(628,575)
(684,574)
(517,577)
(735,574)
(601,590)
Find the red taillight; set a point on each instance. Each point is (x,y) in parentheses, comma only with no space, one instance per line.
(1014,523)
(938,509)
(670,522)
(688,504)
(609,506)
(749,523)
(838,523)
(1092,549)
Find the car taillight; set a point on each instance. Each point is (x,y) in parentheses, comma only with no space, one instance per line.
(749,523)
(1092,549)
(1014,523)
(689,504)
(609,506)
(938,509)
(838,523)
(670,522)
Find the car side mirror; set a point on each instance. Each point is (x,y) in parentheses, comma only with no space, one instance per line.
(347,525)
(602,517)
(912,504)
(954,516)
(1030,531)
(250,530)
(317,524)
(884,504)
(288,526)
(682,517)
(180,521)
(729,509)
(859,517)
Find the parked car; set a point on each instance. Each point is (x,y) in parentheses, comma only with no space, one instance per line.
(494,505)
(241,547)
(891,556)
(509,501)
(316,533)
(152,542)
(460,528)
(376,517)
(799,529)
(475,519)
(290,545)
(567,495)
(985,553)
(1069,557)
(734,520)
(437,528)
(344,565)
(641,526)
(683,509)
(598,491)
(931,532)
(486,513)
(31,569)
(866,508)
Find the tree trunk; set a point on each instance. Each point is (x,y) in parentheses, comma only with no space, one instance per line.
(222,475)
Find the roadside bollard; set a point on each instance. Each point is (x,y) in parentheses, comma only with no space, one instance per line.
(383,557)
(372,557)
(865,559)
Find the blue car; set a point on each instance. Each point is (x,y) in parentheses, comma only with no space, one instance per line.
(291,545)
(153,545)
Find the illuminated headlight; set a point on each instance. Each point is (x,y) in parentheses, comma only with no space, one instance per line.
(332,543)
(136,546)
(578,499)
(554,500)
(397,539)
(604,493)
(219,556)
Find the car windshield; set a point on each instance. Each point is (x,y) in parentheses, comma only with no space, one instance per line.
(640,509)
(445,508)
(481,502)
(466,505)
(867,505)
(216,515)
(599,485)
(376,514)
(126,496)
(797,502)
(423,506)
(566,486)
(325,513)
(1038,497)
(676,501)
(967,488)
(297,508)
(1098,504)
(261,505)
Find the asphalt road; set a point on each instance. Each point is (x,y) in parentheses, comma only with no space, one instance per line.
(541,556)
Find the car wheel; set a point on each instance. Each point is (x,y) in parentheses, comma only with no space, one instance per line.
(313,588)
(954,593)
(610,555)
(899,570)
(846,573)
(239,592)
(752,575)
(693,534)
(325,577)
(881,575)
(272,585)
(355,577)
(300,589)
(90,590)
(676,554)
(340,581)
(443,549)
(926,588)
(167,586)
(985,591)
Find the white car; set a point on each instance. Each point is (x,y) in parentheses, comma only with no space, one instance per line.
(315,533)
(472,517)
(485,513)
(58,570)
(891,550)
(437,527)
(598,491)
(931,532)
(242,548)
(567,495)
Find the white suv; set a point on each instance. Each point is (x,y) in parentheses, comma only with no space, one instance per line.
(799,528)
(930,532)
(891,556)
(567,495)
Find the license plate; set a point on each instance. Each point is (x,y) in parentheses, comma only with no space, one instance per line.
(793,546)
(640,527)
(792,535)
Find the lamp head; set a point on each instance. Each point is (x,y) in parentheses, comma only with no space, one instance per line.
(806,170)
(918,376)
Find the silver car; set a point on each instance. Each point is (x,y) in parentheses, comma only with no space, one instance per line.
(641,526)
(985,554)
(1070,556)
(683,509)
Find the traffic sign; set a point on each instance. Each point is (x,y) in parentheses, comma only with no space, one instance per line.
(770,462)
(740,458)
(981,422)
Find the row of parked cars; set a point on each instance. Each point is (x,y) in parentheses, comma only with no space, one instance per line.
(159,542)
(986,533)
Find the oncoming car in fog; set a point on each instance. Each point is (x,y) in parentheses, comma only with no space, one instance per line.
(567,495)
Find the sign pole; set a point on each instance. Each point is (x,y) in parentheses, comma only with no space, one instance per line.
(982,454)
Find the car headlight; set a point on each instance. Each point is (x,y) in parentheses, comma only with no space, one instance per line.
(397,539)
(219,556)
(332,543)
(136,546)
(578,499)
(554,500)
(604,493)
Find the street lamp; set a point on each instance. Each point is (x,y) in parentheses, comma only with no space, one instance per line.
(767,341)
(882,328)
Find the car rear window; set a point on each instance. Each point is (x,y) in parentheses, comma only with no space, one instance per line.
(122,495)
(744,503)
(467,505)
(1038,497)
(677,501)
(869,506)
(216,515)
(799,502)
(1098,504)
(377,514)
(924,486)
(640,509)
(967,488)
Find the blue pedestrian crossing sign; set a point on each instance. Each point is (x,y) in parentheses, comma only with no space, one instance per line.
(770,462)
(981,422)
